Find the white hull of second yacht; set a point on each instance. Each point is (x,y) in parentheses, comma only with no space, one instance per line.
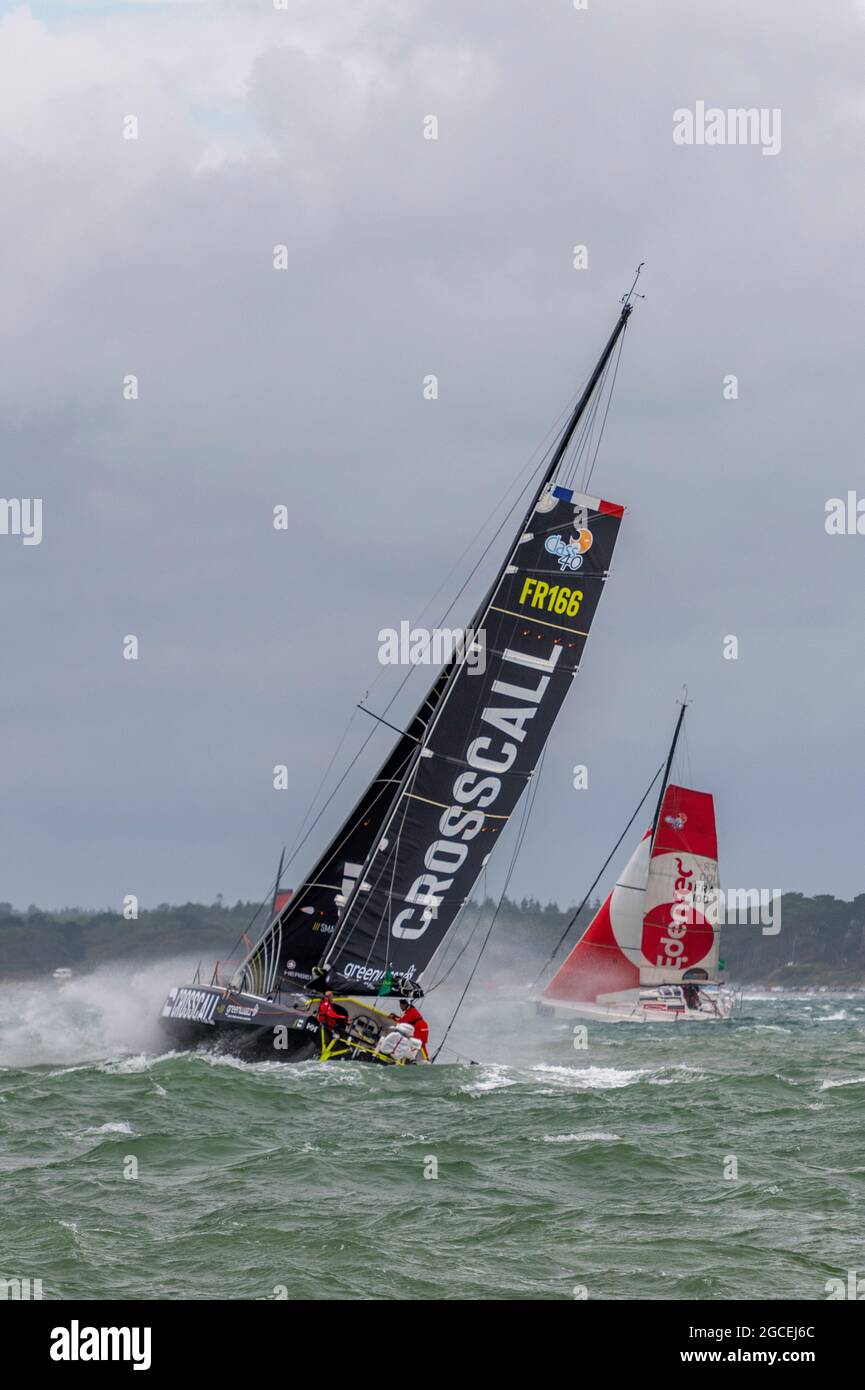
(662,1005)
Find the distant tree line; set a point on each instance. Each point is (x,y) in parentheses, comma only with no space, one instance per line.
(821,941)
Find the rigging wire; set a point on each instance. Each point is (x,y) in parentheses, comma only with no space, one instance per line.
(588,476)
(527,811)
(557,948)
(584,441)
(480,917)
(322,783)
(526,473)
(394,858)
(578,444)
(461,1057)
(688,776)
(586,448)
(253,919)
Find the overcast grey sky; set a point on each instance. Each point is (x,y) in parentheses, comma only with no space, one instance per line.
(408,256)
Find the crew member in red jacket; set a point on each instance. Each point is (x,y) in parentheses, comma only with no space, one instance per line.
(331,1015)
(421,1028)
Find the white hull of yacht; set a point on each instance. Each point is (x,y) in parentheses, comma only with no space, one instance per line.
(648,1006)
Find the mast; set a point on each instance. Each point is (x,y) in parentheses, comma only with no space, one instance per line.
(407,788)
(666,777)
(579,409)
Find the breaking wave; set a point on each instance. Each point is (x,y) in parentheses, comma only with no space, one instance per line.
(111,1012)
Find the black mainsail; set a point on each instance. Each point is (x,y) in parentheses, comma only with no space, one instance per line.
(481,745)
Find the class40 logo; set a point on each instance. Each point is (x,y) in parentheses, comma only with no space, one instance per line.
(569,553)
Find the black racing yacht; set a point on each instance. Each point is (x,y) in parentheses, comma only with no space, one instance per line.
(388,889)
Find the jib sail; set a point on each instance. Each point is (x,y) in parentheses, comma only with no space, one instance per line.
(609,955)
(303,925)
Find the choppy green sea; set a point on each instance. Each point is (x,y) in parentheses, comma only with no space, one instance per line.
(660,1163)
